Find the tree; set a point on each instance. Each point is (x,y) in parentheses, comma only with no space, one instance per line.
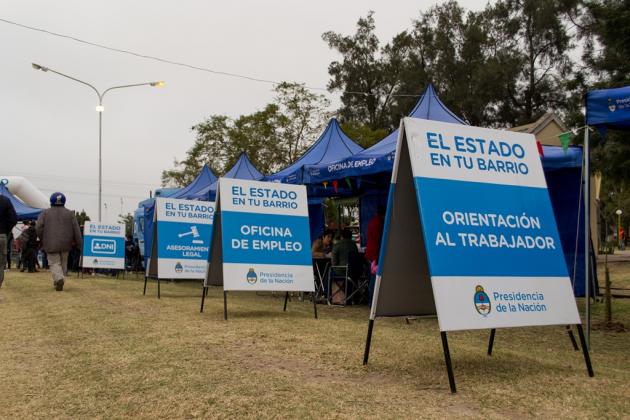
(532,62)
(127,220)
(605,27)
(363,134)
(368,75)
(272,137)
(82,217)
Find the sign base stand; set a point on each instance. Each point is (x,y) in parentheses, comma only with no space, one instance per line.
(145,287)
(225,305)
(368,342)
(447,359)
(286,299)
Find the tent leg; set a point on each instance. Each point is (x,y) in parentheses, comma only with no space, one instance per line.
(314,304)
(449,366)
(368,342)
(145,286)
(587,357)
(204,291)
(491,342)
(286,299)
(225,305)
(158,288)
(572,338)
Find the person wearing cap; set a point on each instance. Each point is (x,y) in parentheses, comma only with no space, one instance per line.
(58,231)
(8,219)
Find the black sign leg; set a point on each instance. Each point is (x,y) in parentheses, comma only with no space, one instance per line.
(449,366)
(314,304)
(491,342)
(158,287)
(225,305)
(145,286)
(572,338)
(286,298)
(587,357)
(203,297)
(368,342)
(207,291)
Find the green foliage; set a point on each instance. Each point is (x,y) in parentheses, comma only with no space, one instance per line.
(362,133)
(82,217)
(605,26)
(127,220)
(273,137)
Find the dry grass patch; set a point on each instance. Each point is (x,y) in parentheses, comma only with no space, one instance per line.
(101,349)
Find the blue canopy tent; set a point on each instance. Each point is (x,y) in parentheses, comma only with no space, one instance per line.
(331,146)
(379,157)
(372,167)
(23,211)
(242,169)
(605,109)
(203,180)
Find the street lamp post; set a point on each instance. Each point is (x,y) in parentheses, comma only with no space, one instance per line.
(99,108)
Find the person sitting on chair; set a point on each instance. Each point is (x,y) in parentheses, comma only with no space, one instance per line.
(322,245)
(340,253)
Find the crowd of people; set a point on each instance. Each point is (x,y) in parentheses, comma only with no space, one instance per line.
(56,233)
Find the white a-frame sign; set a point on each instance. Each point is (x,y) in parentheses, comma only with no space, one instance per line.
(261,240)
(470,234)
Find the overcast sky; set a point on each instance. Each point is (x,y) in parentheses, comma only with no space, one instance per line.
(48,124)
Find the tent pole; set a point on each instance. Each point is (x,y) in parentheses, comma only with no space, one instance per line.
(145,286)
(587,236)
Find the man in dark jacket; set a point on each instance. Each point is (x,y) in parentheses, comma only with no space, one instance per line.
(8,219)
(58,230)
(29,248)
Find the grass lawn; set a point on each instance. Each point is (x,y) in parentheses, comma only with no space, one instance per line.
(101,349)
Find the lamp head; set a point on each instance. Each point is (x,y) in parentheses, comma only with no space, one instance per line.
(38,67)
(159,83)
(618,212)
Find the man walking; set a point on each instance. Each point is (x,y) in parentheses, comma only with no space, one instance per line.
(8,219)
(58,230)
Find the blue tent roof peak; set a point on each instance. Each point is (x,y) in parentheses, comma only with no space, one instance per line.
(332,145)
(243,169)
(430,107)
(204,179)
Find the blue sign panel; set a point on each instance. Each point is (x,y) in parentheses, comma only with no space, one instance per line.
(103,245)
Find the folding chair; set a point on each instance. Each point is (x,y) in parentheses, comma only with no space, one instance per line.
(357,277)
(353,276)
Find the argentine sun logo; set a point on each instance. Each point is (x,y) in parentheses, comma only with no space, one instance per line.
(251,276)
(179,268)
(482,301)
